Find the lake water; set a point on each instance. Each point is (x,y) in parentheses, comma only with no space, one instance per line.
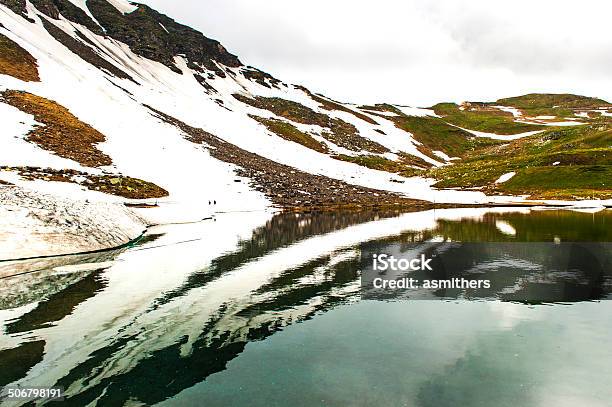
(253,309)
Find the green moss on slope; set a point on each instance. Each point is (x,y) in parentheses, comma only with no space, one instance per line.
(565,163)
(440,136)
(482,118)
(289,132)
(338,131)
(546,104)
(549,100)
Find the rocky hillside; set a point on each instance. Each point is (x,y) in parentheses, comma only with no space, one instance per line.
(110,100)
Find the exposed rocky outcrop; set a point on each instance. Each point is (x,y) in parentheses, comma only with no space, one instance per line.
(160,38)
(289,132)
(53,9)
(261,77)
(84,51)
(147,32)
(17,6)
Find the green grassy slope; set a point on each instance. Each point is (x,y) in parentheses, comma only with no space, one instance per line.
(481,117)
(558,163)
(544,104)
(433,133)
(567,163)
(437,135)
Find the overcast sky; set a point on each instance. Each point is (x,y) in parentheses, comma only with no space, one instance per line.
(415,52)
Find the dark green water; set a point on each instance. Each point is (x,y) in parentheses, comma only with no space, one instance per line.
(257,311)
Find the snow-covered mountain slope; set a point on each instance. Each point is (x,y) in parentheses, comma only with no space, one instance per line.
(106,84)
(110,100)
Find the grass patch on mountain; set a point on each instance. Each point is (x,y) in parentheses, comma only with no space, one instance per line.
(289,132)
(126,187)
(550,100)
(380,107)
(338,131)
(113,184)
(578,181)
(437,135)
(16,61)
(68,10)
(18,7)
(485,119)
(434,134)
(414,161)
(563,163)
(61,132)
(547,104)
(345,135)
(294,111)
(329,104)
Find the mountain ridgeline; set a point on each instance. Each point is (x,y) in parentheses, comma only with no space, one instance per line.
(277,135)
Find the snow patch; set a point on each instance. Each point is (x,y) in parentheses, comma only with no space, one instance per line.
(382,113)
(505,178)
(513,110)
(494,136)
(34,224)
(445,156)
(124,6)
(604,112)
(416,111)
(82,4)
(554,124)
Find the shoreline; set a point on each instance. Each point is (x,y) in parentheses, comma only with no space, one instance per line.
(39,225)
(309,210)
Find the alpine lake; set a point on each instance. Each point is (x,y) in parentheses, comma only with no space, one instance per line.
(262,309)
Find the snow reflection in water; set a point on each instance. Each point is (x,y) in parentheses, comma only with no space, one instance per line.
(170,313)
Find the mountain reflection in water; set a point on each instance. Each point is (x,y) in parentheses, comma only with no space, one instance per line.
(177,308)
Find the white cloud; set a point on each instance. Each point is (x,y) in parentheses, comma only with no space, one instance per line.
(415,51)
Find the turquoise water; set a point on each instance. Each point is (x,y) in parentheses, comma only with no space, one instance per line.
(254,310)
(425,354)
